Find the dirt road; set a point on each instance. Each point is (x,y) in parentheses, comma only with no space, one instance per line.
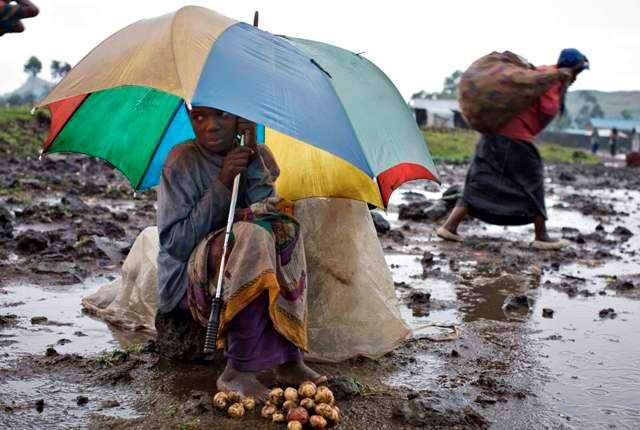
(547,339)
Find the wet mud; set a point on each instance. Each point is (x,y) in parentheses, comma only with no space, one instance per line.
(535,344)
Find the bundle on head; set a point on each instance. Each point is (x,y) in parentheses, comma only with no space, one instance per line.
(498,86)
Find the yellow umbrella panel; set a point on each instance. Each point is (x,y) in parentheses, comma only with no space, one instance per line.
(306,171)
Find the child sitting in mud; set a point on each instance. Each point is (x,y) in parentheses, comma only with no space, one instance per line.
(263,323)
(505,182)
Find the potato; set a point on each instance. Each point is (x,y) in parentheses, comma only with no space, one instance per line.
(278,417)
(324,395)
(307,389)
(334,418)
(288,405)
(220,400)
(234,396)
(308,404)
(317,422)
(294,425)
(276,396)
(249,403)
(268,410)
(324,410)
(291,394)
(236,410)
(298,414)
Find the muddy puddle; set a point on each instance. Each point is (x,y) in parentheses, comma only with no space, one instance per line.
(583,369)
(541,340)
(52,317)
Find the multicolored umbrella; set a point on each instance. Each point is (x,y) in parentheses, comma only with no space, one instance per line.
(336,124)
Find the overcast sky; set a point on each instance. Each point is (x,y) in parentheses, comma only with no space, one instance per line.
(417,43)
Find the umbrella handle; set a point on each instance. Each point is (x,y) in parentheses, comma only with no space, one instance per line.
(216,303)
(211,338)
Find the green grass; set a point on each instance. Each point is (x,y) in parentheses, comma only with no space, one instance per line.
(451,145)
(20,132)
(459,145)
(558,153)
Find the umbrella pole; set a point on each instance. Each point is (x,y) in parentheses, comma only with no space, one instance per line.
(216,304)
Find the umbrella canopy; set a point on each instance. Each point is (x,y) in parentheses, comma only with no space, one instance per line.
(126,102)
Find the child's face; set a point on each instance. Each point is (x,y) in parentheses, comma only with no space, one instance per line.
(215,129)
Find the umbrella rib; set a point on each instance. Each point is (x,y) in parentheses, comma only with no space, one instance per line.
(315,63)
(173,54)
(173,116)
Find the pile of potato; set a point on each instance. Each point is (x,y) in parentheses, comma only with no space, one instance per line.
(233,403)
(307,405)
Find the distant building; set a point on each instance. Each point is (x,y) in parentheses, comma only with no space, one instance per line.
(604,125)
(431,112)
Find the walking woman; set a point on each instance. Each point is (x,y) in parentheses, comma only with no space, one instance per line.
(505,183)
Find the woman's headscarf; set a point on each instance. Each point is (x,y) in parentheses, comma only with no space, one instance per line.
(569,57)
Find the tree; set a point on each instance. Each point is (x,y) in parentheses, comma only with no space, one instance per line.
(588,97)
(626,114)
(59,69)
(563,121)
(590,109)
(596,111)
(450,87)
(33,66)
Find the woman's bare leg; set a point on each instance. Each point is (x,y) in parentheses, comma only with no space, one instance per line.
(455,218)
(541,229)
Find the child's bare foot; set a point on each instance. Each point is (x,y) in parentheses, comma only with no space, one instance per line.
(297,372)
(244,382)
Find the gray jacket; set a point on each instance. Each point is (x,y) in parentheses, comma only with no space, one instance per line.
(192,202)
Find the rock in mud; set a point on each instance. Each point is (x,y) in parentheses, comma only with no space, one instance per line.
(547,313)
(566,177)
(427,259)
(599,227)
(59,267)
(40,405)
(6,224)
(8,319)
(51,352)
(343,387)
(381,224)
(75,204)
(622,285)
(437,211)
(120,216)
(198,404)
(109,403)
(420,298)
(179,337)
(517,303)
(411,196)
(422,413)
(452,194)
(413,211)
(39,320)
(607,313)
(426,211)
(397,236)
(82,400)
(622,231)
(31,242)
